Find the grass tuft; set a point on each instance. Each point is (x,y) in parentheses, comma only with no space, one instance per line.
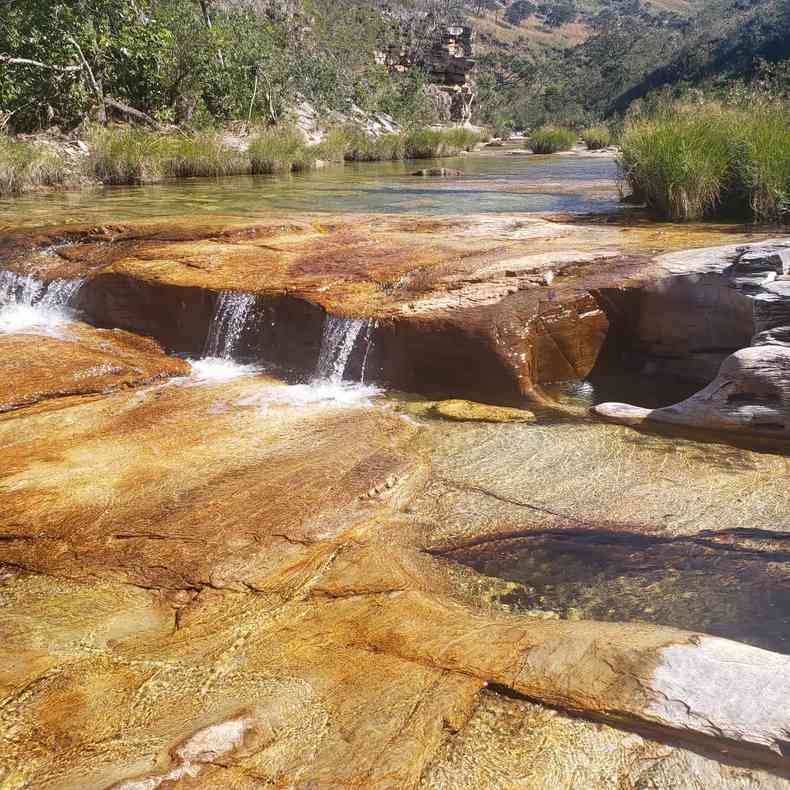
(689,161)
(125,155)
(204,154)
(551,140)
(597,137)
(25,166)
(281,149)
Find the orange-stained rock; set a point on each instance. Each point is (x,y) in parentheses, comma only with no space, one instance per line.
(81,360)
(480,306)
(191,485)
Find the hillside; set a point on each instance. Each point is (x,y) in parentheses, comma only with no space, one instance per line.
(609,54)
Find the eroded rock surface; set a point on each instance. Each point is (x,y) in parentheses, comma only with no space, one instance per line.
(79,361)
(486,307)
(212,584)
(718,300)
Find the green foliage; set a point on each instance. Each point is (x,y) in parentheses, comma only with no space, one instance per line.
(119,40)
(362,147)
(633,49)
(435,143)
(25,166)
(688,161)
(551,140)
(241,60)
(334,145)
(597,137)
(415,144)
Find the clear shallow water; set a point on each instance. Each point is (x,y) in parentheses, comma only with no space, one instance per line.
(499,183)
(649,392)
(693,583)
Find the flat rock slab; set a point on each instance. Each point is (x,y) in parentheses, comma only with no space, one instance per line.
(81,360)
(188,485)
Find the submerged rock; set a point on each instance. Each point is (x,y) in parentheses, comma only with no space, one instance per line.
(468,411)
(439,172)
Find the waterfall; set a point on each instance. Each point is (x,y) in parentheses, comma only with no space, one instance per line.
(230,317)
(340,336)
(27,302)
(368,344)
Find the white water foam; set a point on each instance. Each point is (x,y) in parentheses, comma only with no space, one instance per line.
(317,393)
(219,369)
(32,306)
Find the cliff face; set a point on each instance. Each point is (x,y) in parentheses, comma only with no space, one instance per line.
(447,56)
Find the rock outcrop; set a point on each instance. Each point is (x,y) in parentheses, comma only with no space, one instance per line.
(712,302)
(81,361)
(448,60)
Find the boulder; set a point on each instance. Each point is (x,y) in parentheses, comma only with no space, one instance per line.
(722,299)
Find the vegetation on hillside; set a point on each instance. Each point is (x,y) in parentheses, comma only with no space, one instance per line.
(628,49)
(196,62)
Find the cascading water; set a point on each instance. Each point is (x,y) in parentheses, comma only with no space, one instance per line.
(372,325)
(28,304)
(337,343)
(227,325)
(230,317)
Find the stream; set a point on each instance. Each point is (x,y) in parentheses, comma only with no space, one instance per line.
(240,460)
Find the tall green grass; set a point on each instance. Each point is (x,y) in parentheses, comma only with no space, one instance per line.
(281,149)
(126,155)
(202,154)
(363,147)
(25,166)
(597,137)
(689,161)
(415,144)
(551,140)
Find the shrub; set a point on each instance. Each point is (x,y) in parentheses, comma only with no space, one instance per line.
(25,166)
(362,147)
(761,166)
(435,143)
(281,149)
(125,155)
(597,137)
(334,145)
(551,140)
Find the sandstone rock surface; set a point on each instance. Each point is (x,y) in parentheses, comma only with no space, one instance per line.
(244,583)
(81,361)
(486,307)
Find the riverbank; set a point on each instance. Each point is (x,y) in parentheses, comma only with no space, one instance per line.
(133,155)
